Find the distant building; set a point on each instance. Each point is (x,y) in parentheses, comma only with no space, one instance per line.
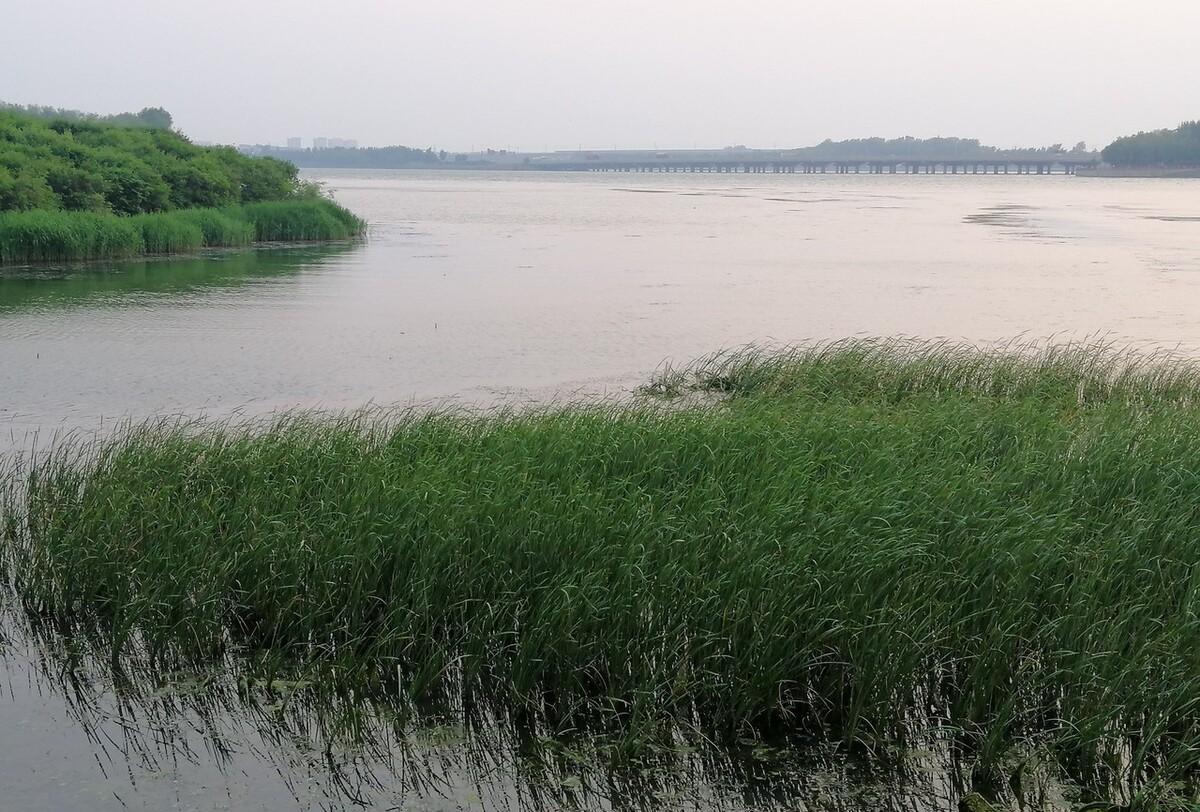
(295,143)
(320,143)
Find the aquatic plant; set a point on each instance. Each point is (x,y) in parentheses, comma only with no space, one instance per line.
(42,236)
(865,534)
(219,228)
(50,236)
(168,234)
(285,221)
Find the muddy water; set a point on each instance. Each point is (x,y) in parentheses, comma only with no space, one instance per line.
(482,288)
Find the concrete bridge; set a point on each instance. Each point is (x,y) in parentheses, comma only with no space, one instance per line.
(807,161)
(1060,165)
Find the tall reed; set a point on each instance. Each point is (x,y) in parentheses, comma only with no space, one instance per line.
(61,236)
(869,533)
(51,236)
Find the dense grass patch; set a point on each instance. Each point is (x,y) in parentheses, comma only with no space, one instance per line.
(51,236)
(41,236)
(867,534)
(284,221)
(223,228)
(169,234)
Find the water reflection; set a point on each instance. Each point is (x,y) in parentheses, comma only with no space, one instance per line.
(42,287)
(233,737)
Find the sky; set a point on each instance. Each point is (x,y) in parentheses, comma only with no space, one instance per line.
(563,74)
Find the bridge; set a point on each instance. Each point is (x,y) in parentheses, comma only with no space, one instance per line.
(770,162)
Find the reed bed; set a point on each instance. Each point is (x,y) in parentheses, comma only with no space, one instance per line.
(52,236)
(62,236)
(868,533)
(284,221)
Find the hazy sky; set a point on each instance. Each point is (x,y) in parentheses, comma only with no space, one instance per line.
(541,74)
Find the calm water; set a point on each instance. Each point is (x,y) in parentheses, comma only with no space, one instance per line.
(481,288)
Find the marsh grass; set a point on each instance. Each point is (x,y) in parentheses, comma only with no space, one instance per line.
(1003,543)
(286,221)
(61,236)
(51,236)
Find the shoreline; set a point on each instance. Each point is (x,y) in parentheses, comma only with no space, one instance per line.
(1139,172)
(40,237)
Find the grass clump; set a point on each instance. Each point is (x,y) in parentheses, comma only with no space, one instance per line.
(59,236)
(168,234)
(868,533)
(52,236)
(219,228)
(308,220)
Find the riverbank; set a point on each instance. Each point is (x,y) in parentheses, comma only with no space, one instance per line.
(74,187)
(59,236)
(839,541)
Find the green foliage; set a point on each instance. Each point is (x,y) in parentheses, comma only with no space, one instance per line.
(357,157)
(909,148)
(38,236)
(97,165)
(1177,147)
(148,117)
(864,535)
(24,190)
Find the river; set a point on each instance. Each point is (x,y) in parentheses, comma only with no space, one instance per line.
(483,288)
(478,289)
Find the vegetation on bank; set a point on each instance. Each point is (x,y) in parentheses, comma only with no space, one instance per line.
(74,165)
(1177,147)
(934,149)
(152,117)
(58,236)
(357,157)
(854,537)
(76,187)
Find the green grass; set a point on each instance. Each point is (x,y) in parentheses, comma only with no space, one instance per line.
(51,236)
(219,228)
(864,535)
(169,233)
(287,222)
(59,236)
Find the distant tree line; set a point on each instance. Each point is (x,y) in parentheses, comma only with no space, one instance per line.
(155,118)
(1177,147)
(355,158)
(105,164)
(909,148)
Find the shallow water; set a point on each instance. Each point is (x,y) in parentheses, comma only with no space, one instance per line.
(75,736)
(479,288)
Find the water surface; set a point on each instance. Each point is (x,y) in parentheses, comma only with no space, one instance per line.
(485,287)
